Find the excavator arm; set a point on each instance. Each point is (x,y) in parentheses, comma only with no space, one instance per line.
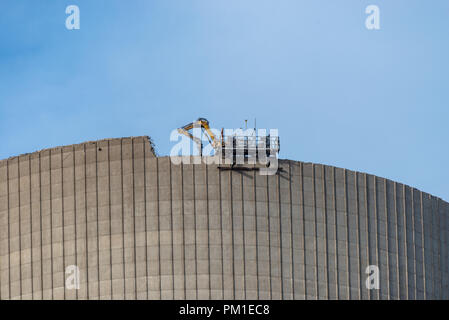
(200,123)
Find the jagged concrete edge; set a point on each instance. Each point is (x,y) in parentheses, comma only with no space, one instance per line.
(148,138)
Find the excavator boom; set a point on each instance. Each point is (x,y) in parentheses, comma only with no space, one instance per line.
(204,124)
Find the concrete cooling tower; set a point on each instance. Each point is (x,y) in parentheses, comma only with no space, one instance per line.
(110,220)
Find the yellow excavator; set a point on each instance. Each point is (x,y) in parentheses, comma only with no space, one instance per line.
(204,125)
(246,146)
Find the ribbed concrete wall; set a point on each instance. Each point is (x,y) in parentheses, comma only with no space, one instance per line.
(152,229)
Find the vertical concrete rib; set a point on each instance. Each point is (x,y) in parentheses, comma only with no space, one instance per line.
(134,216)
(63,225)
(269,239)
(367,226)
(428,246)
(123,219)
(231,207)
(9,228)
(446,254)
(359,255)
(326,231)
(404,210)
(432,245)
(31,232)
(317,287)
(440,248)
(183,230)
(413,242)
(243,236)
(20,227)
(337,262)
(376,233)
(292,259)
(391,235)
(75,217)
(422,244)
(221,234)
(97,222)
(158,227)
(301,170)
(417,225)
(170,183)
(110,219)
(431,249)
(441,265)
(348,265)
(194,228)
(445,291)
(278,194)
(145,217)
(85,222)
(398,289)
(437,252)
(387,247)
(51,226)
(257,240)
(330,234)
(208,232)
(399,236)
(1,266)
(40,227)
(408,243)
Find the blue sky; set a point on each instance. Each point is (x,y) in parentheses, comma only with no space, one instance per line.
(372,101)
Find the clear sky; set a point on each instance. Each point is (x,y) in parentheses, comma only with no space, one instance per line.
(375,101)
